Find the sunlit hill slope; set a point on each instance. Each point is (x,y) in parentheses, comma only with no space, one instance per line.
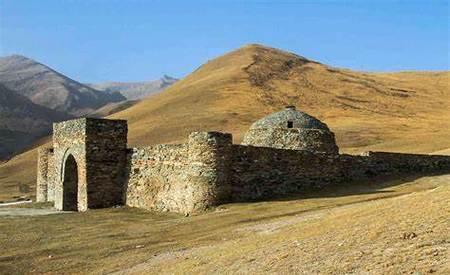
(405,111)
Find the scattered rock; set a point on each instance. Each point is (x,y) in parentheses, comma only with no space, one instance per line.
(409,235)
(221,209)
(139,246)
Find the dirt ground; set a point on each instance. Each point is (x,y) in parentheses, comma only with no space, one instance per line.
(402,235)
(8,211)
(395,227)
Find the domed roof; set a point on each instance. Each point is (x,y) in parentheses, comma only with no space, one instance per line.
(294,130)
(289,118)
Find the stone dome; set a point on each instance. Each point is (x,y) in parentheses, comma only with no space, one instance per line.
(291,129)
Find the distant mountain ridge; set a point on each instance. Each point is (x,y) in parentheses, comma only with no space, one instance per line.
(49,88)
(136,90)
(33,96)
(22,121)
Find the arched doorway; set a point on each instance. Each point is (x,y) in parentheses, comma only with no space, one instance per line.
(70,185)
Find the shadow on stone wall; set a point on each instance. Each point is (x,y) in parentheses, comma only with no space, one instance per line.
(126,176)
(362,187)
(373,185)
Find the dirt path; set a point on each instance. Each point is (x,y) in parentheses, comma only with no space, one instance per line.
(15,203)
(9,211)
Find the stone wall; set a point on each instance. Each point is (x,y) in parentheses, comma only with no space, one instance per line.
(180,178)
(45,173)
(51,178)
(106,160)
(375,163)
(69,138)
(206,171)
(99,149)
(260,173)
(156,177)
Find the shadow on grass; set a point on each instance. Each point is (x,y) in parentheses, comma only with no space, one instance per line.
(361,187)
(372,185)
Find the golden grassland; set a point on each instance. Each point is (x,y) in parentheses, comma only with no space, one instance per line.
(404,112)
(384,227)
(377,227)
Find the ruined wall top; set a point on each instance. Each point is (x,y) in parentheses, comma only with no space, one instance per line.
(92,130)
(82,125)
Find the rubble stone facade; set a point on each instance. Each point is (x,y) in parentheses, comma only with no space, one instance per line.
(85,167)
(90,165)
(44,188)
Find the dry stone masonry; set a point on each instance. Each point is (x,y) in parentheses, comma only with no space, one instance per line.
(291,129)
(90,166)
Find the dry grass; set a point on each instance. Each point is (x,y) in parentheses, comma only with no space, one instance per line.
(406,112)
(400,235)
(354,229)
(16,173)
(351,229)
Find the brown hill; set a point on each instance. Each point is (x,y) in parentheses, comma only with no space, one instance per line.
(22,121)
(46,87)
(407,111)
(390,111)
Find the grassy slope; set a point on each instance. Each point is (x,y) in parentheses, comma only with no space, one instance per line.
(20,171)
(352,229)
(355,229)
(365,110)
(407,111)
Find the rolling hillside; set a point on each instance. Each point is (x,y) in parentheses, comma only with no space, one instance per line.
(46,87)
(405,112)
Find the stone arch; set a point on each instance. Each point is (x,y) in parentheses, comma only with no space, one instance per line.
(70,183)
(97,148)
(62,164)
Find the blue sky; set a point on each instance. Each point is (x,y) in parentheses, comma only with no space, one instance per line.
(108,40)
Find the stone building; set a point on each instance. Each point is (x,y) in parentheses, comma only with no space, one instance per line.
(291,129)
(90,166)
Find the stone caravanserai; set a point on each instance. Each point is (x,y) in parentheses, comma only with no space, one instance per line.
(90,166)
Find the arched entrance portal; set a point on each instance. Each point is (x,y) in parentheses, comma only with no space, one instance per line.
(70,185)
